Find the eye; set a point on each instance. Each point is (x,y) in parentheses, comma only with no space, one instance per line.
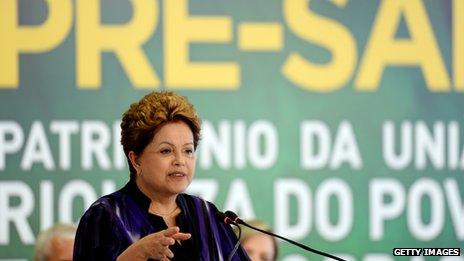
(165,151)
(189,152)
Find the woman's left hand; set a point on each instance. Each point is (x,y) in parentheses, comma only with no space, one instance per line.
(154,246)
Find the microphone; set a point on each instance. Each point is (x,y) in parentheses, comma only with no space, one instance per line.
(234,219)
(225,218)
(231,215)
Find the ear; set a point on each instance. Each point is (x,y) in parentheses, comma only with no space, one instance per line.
(134,160)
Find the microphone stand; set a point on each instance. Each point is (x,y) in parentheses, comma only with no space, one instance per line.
(233,217)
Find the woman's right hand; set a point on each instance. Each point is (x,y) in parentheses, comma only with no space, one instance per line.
(154,246)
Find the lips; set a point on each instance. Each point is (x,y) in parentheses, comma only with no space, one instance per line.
(177,174)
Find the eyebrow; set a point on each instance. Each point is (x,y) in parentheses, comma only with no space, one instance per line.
(167,142)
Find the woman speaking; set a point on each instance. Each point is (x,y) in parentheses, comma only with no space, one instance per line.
(151,217)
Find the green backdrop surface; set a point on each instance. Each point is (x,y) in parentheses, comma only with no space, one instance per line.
(337,122)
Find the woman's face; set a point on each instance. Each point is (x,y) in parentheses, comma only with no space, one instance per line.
(167,165)
(259,247)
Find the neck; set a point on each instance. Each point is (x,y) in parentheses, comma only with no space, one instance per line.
(160,203)
(163,206)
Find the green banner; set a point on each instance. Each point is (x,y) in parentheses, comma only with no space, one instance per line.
(337,122)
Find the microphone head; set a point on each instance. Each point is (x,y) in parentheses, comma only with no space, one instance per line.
(224,218)
(233,216)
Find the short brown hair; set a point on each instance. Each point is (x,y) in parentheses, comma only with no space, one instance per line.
(143,118)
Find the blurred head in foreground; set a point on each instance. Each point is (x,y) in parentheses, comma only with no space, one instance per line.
(259,246)
(55,243)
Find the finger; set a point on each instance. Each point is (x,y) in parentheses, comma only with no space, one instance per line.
(182,236)
(167,241)
(156,254)
(163,258)
(170,231)
(168,253)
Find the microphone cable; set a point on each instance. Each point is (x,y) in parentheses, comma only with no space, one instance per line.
(226,220)
(229,258)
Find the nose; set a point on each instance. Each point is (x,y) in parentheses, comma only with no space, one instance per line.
(179,159)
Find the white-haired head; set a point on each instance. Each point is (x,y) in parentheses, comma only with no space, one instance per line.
(45,239)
